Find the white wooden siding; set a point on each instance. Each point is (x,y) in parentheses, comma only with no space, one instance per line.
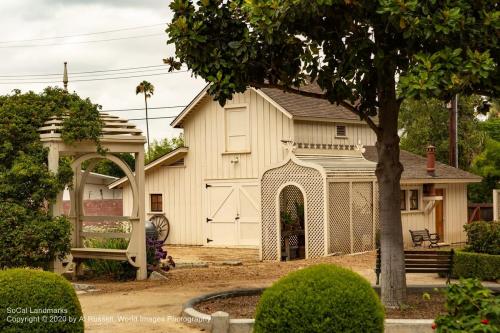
(325,133)
(454,211)
(204,135)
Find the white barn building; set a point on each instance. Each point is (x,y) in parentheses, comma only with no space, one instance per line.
(214,193)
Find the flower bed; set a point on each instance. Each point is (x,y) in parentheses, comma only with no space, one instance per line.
(244,306)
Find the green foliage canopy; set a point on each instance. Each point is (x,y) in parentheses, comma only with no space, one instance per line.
(344,45)
(424,122)
(162,147)
(30,235)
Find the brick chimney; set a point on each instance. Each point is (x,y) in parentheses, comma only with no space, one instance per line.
(431,160)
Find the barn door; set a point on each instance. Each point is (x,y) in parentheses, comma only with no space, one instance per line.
(248,223)
(233,214)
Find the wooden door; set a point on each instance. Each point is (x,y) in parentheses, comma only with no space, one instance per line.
(233,216)
(222,213)
(439,213)
(248,223)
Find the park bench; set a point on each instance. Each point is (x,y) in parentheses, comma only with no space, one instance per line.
(423,261)
(418,237)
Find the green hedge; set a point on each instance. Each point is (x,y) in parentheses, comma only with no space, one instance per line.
(38,301)
(322,298)
(476,265)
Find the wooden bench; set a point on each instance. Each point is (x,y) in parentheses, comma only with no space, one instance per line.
(80,254)
(423,261)
(418,237)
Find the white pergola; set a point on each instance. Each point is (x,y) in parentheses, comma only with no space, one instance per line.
(118,136)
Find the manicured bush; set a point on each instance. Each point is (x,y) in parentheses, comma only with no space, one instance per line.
(483,237)
(470,308)
(322,298)
(476,265)
(38,301)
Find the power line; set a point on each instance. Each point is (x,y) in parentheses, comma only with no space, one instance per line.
(82,42)
(150,118)
(96,79)
(80,76)
(149,108)
(86,72)
(81,34)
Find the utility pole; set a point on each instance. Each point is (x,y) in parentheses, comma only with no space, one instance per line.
(65,76)
(453,132)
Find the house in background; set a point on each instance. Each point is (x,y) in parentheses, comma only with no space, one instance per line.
(98,198)
(248,166)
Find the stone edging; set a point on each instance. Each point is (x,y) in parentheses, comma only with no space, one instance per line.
(245,325)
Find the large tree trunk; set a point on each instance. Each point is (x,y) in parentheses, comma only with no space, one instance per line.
(389,169)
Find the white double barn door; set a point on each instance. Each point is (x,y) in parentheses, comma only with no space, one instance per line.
(232,213)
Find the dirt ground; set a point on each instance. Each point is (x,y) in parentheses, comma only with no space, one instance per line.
(155,306)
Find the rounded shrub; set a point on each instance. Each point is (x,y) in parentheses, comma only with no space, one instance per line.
(38,301)
(321,298)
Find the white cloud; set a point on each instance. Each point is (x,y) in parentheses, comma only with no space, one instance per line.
(25,19)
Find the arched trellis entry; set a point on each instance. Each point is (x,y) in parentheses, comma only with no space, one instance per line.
(311,182)
(118,136)
(293,221)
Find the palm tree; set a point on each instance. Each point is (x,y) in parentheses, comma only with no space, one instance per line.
(147,89)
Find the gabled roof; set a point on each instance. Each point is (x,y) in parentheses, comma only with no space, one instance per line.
(292,105)
(302,106)
(166,160)
(415,169)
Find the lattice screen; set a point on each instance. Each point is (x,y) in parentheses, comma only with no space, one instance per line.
(312,182)
(362,217)
(339,228)
(377,213)
(351,220)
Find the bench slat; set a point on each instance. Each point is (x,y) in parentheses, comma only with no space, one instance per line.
(427,265)
(427,270)
(433,252)
(421,256)
(94,253)
(436,262)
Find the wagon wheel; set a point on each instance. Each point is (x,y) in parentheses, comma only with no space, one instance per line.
(162,226)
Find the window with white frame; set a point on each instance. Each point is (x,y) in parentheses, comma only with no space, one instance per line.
(237,128)
(410,199)
(340,131)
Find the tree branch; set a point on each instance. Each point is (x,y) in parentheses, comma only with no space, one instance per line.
(296,91)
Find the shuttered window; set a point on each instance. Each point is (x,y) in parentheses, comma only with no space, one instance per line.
(156,202)
(341,131)
(237,126)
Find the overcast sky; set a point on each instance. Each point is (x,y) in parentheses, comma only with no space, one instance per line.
(25,19)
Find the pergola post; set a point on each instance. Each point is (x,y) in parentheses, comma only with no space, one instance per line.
(56,208)
(142,272)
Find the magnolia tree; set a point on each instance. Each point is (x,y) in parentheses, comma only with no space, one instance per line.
(366,55)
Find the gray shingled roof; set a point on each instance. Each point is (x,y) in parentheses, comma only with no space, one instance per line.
(302,106)
(415,167)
